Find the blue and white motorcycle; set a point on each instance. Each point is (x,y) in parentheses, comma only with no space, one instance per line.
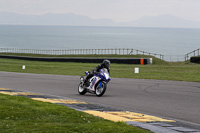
(97,84)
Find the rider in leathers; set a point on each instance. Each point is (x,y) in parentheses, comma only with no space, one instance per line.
(105,64)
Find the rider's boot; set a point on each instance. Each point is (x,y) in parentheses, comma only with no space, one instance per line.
(86,82)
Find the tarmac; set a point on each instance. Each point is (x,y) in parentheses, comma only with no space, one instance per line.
(137,102)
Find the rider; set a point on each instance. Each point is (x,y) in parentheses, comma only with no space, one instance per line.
(105,64)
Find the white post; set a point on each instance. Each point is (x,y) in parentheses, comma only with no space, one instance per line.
(136,70)
(151,61)
(23,67)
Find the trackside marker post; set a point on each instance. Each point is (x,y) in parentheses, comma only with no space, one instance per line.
(142,61)
(136,70)
(151,61)
(23,67)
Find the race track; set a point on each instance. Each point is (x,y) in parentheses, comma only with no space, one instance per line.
(176,100)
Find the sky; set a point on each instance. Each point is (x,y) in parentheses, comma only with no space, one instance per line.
(117,10)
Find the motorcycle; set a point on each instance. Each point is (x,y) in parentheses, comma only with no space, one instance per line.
(97,84)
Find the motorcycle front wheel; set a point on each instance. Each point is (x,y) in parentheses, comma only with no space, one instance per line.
(81,89)
(100,90)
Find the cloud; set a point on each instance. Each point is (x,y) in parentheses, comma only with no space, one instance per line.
(118,10)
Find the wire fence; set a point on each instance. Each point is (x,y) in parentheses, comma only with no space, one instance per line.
(81,52)
(174,58)
(193,53)
(121,51)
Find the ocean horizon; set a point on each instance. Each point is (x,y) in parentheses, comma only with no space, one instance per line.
(165,41)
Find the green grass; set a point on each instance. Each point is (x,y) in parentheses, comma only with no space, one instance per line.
(155,60)
(19,114)
(160,70)
(24,115)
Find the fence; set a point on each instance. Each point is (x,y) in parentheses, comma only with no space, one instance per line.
(81,52)
(193,53)
(174,58)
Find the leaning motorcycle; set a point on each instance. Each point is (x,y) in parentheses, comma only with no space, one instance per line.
(97,84)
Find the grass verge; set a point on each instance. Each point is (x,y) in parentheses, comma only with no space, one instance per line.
(155,60)
(160,70)
(21,114)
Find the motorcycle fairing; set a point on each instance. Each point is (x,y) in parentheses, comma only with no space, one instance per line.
(94,81)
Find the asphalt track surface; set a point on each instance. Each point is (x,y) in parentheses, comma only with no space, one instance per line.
(176,100)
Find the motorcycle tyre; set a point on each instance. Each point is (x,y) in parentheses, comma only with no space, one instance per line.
(83,90)
(104,89)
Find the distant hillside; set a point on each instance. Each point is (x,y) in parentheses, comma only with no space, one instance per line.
(163,21)
(52,19)
(71,19)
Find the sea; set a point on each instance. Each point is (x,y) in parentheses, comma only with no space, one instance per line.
(171,42)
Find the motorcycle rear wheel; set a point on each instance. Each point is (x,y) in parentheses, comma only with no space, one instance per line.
(101,90)
(81,90)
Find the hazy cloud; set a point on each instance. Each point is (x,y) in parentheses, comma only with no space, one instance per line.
(117,10)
